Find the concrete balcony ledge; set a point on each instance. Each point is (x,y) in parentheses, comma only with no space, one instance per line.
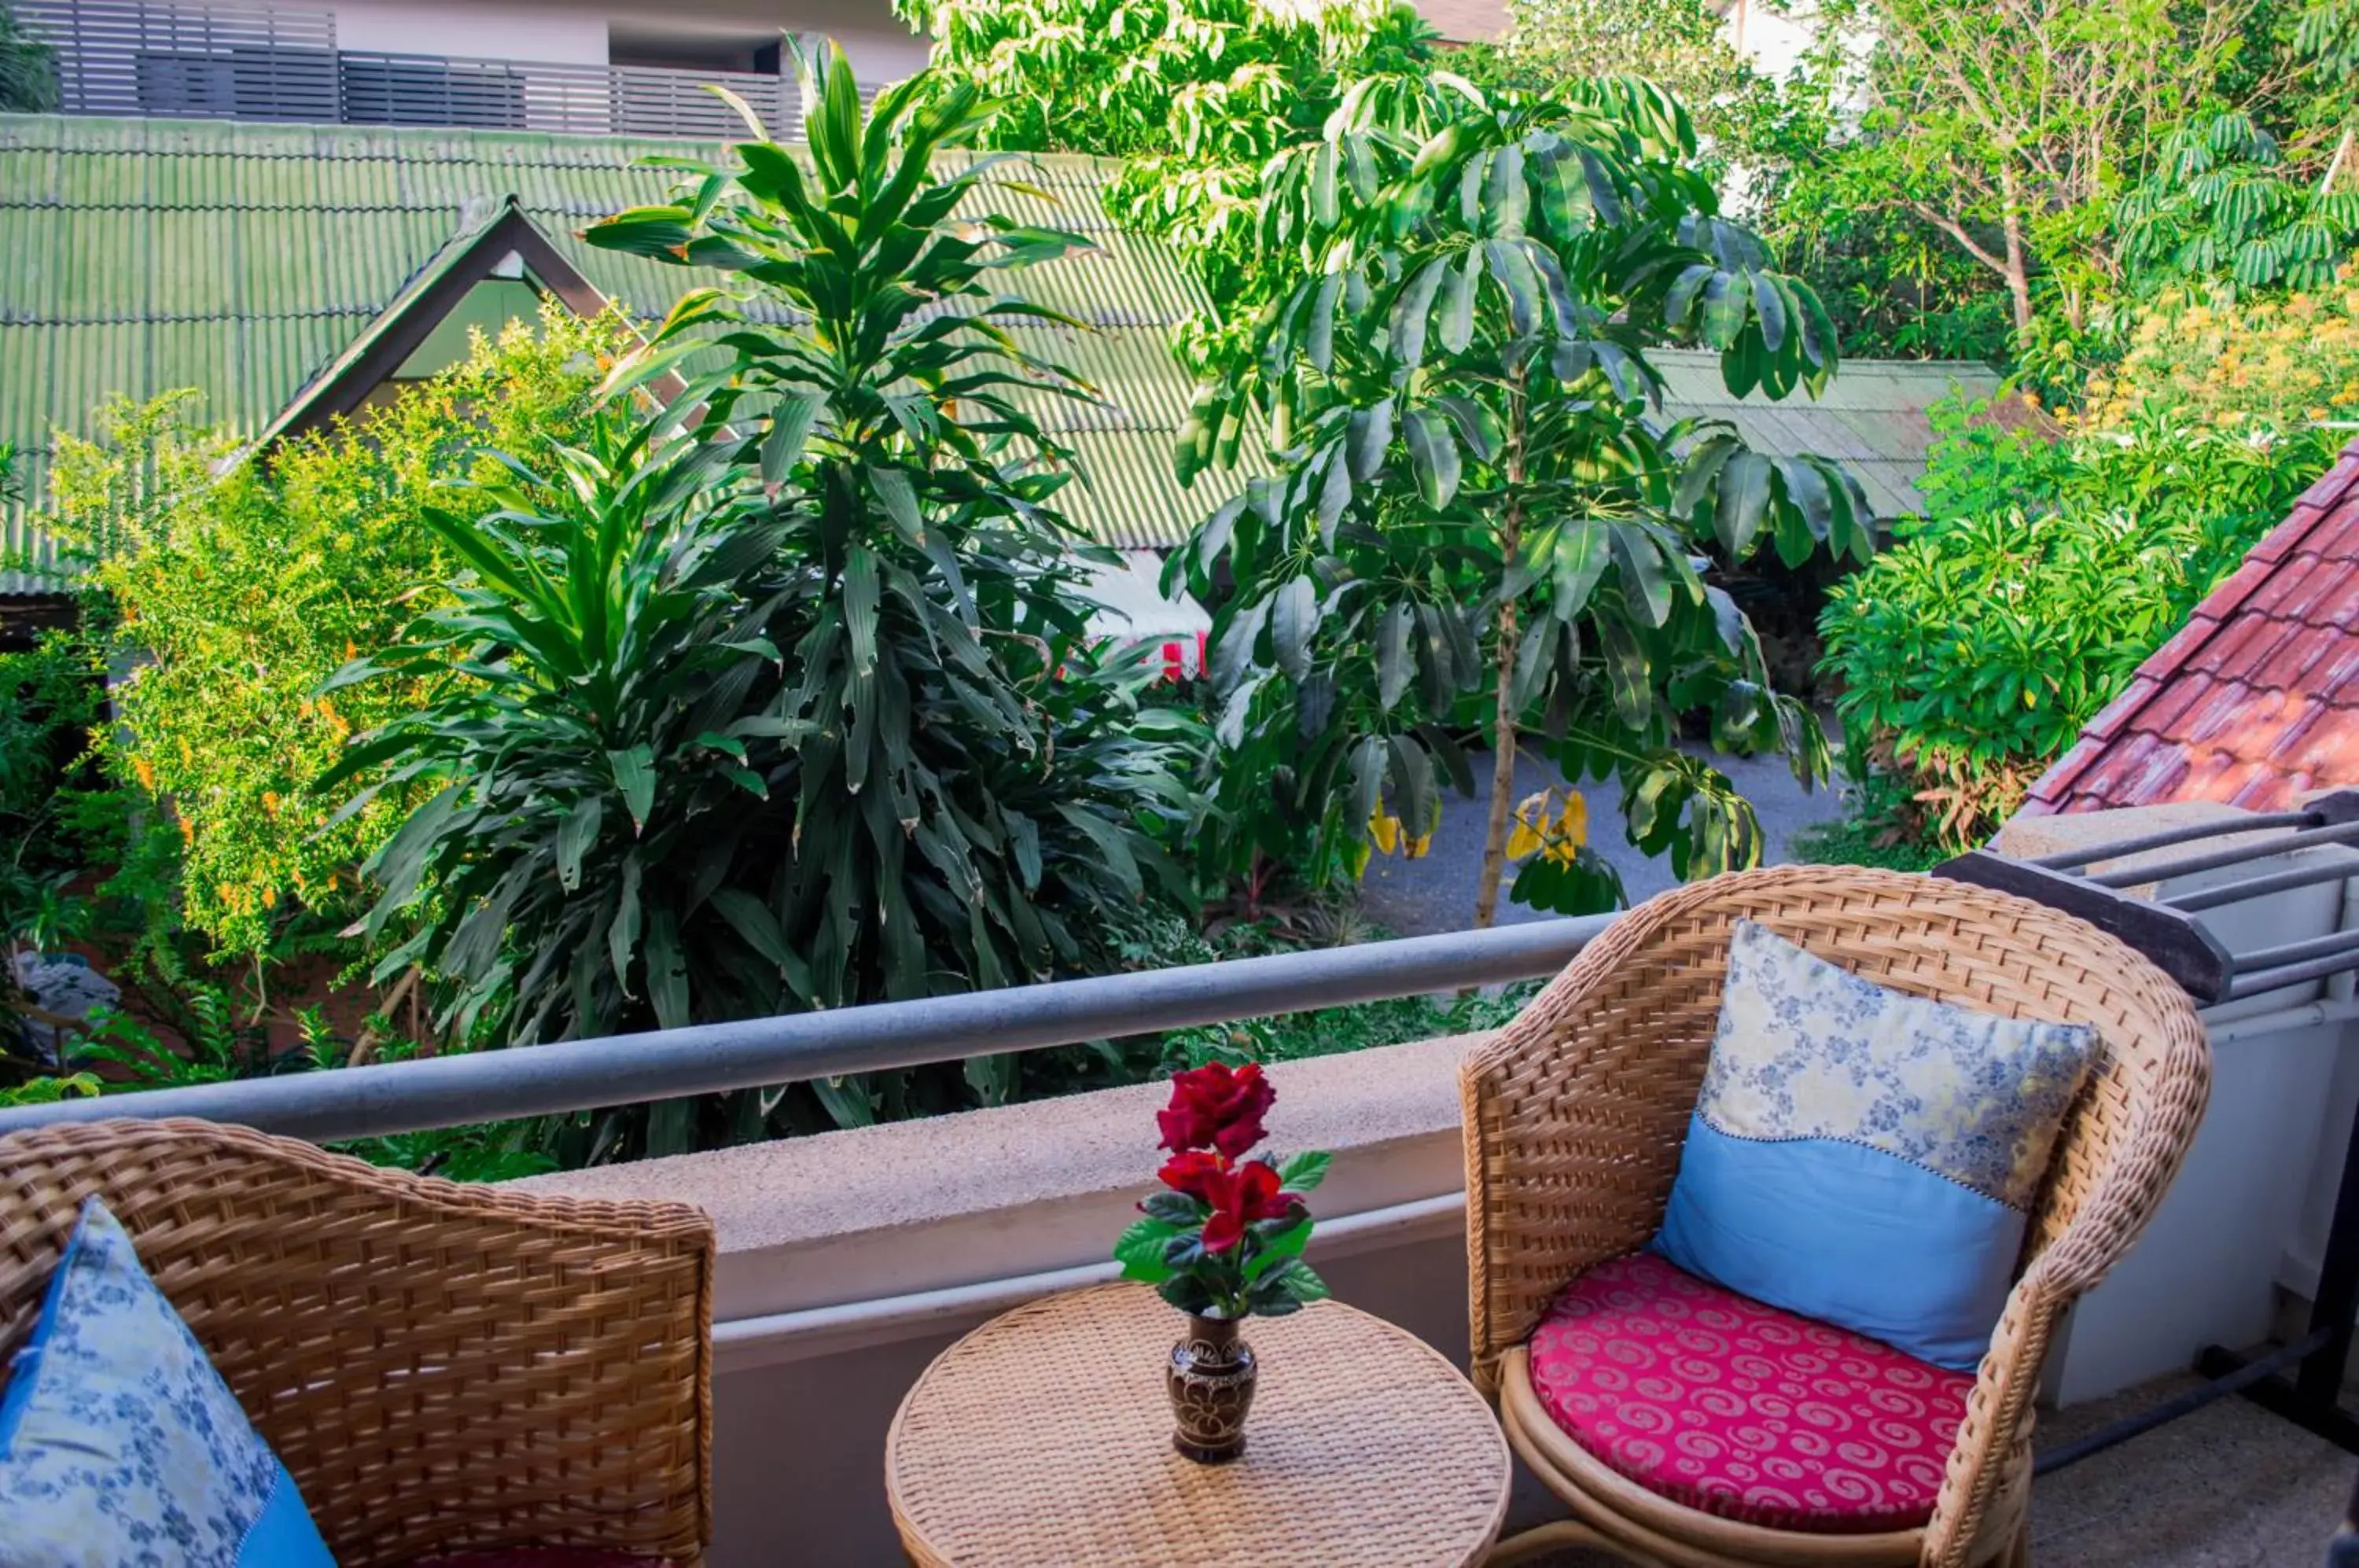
(849,1259)
(907,1228)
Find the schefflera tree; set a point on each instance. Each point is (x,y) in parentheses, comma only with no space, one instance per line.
(1481,528)
(781,697)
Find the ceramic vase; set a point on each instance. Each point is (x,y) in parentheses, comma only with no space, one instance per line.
(1211,1380)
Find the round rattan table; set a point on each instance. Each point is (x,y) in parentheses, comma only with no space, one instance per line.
(1045,1437)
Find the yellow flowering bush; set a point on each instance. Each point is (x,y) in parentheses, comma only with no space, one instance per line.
(242,585)
(2256,365)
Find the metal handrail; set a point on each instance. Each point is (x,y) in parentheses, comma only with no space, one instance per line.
(2216,827)
(572,1075)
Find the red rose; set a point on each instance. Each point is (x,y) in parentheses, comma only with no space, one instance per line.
(1252,1192)
(1215,1106)
(1198,1174)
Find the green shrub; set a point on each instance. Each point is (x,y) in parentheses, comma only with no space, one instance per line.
(794,709)
(2054,558)
(241,591)
(1974,652)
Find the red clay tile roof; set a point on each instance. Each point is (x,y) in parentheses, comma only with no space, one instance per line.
(2255,701)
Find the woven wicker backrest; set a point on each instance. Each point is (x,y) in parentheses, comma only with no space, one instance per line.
(440,1367)
(1576,1112)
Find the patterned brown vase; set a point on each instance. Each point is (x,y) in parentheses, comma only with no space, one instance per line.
(1211,1380)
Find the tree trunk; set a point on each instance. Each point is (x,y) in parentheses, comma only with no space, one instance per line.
(1503,770)
(2019,267)
(1504,733)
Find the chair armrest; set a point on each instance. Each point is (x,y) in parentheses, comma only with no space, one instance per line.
(442,1368)
(2122,1147)
(1574,1117)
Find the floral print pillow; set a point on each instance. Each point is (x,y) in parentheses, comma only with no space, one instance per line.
(1867,1157)
(1805,1048)
(119,1443)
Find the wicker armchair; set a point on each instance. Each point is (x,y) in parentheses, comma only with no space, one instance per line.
(1575,1115)
(443,1368)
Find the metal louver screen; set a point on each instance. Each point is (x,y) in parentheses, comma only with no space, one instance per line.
(418,90)
(119,56)
(126,56)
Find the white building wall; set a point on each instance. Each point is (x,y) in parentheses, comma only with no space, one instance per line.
(471,31)
(881,48)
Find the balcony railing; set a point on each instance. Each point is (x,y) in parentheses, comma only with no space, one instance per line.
(134,59)
(571,1075)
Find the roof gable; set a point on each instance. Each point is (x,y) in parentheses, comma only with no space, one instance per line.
(254,261)
(245,259)
(424,303)
(2255,701)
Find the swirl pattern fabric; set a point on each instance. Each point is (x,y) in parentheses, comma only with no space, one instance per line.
(1721,1404)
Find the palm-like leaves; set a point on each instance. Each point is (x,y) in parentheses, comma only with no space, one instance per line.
(780,699)
(585,746)
(1480,519)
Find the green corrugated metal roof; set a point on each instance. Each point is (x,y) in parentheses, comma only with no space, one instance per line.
(139,256)
(1871,418)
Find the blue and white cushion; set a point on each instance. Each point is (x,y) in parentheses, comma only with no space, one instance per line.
(1866,1156)
(120,1445)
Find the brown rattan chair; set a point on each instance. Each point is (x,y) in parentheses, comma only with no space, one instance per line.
(443,1369)
(1576,1112)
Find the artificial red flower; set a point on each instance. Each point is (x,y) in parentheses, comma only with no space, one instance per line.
(1216,1107)
(1198,1174)
(1253,1191)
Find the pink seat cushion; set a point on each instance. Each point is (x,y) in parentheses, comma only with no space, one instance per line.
(1715,1401)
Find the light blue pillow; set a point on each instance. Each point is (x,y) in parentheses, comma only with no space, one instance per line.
(1865,1157)
(120,1445)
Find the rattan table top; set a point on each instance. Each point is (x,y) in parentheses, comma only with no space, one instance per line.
(1045,1437)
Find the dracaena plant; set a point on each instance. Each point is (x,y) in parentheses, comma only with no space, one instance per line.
(879,376)
(781,698)
(587,742)
(1481,524)
(1222,1238)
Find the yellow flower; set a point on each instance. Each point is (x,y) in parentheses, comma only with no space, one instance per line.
(1572,828)
(147,771)
(1418,846)
(1385,829)
(1527,836)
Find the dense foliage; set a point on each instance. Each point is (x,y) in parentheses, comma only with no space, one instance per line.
(54,818)
(241,585)
(2081,555)
(2066,605)
(2008,181)
(28,69)
(792,706)
(1477,526)
(1196,97)
(1682,46)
